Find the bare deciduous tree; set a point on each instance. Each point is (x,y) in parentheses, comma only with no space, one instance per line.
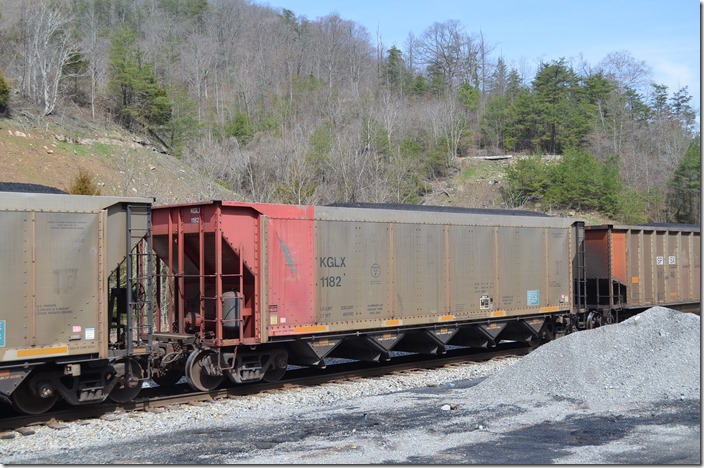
(95,49)
(49,47)
(214,159)
(197,59)
(446,48)
(626,70)
(390,109)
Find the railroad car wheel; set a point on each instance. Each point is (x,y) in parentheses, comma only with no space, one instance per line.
(128,388)
(202,371)
(274,374)
(593,320)
(278,368)
(35,395)
(166,377)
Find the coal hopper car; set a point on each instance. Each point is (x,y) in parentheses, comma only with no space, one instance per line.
(631,268)
(248,288)
(73,318)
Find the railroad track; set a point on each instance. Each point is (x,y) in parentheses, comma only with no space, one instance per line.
(154,399)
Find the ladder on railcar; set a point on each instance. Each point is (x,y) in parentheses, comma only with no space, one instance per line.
(581,271)
(139,287)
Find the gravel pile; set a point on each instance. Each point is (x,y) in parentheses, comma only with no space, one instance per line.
(626,393)
(650,357)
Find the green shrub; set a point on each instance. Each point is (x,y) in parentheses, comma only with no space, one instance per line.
(684,199)
(240,128)
(578,181)
(528,179)
(83,184)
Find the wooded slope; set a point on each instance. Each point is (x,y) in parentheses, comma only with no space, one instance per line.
(281,108)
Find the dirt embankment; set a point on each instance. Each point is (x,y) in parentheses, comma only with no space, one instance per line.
(120,164)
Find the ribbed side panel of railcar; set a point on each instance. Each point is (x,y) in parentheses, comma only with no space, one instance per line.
(388,268)
(643,266)
(55,257)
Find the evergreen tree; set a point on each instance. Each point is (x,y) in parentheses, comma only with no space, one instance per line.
(187,9)
(685,187)
(681,110)
(658,101)
(578,181)
(528,180)
(135,93)
(436,87)
(597,89)
(4,95)
(75,72)
(499,79)
(510,119)
(495,121)
(419,85)
(469,97)
(183,124)
(522,121)
(563,119)
(514,84)
(638,110)
(393,72)
(241,128)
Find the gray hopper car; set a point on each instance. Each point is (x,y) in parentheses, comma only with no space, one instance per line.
(71,321)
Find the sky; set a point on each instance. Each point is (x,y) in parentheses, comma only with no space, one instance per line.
(665,34)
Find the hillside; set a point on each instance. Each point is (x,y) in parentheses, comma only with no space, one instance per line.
(119,162)
(281,108)
(125,164)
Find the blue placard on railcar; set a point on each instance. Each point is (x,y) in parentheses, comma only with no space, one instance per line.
(533,297)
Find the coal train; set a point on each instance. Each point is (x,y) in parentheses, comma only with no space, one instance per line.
(100,294)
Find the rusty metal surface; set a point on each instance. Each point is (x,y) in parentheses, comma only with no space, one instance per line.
(210,249)
(655,264)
